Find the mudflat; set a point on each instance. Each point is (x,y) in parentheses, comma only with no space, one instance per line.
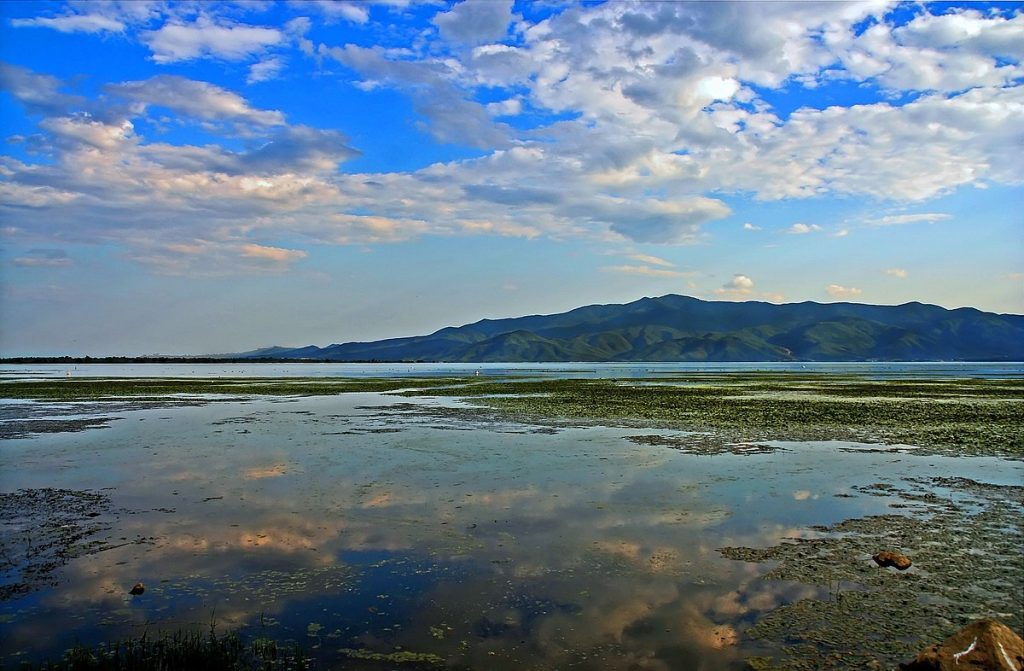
(713,521)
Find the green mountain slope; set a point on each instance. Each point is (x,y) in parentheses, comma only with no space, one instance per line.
(680,328)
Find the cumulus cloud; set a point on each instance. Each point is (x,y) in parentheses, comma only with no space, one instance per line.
(947,52)
(741,287)
(196,99)
(659,221)
(740,283)
(265,70)
(661,104)
(842,293)
(356,12)
(475,21)
(299,149)
(507,107)
(635,121)
(910,152)
(206,37)
(39,93)
(453,116)
(177,207)
(900,273)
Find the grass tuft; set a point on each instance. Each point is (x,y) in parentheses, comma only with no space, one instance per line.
(181,651)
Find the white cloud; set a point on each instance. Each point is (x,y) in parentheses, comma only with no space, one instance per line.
(508,107)
(356,12)
(453,117)
(206,37)
(265,70)
(910,152)
(658,221)
(646,271)
(710,89)
(184,208)
(273,254)
(650,260)
(656,104)
(741,287)
(802,229)
(740,283)
(953,51)
(841,233)
(196,99)
(841,292)
(74,132)
(901,273)
(40,94)
(475,21)
(73,23)
(899,219)
(635,75)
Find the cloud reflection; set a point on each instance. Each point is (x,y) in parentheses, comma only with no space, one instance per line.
(570,549)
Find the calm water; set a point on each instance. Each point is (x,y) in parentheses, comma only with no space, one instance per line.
(350,522)
(579,369)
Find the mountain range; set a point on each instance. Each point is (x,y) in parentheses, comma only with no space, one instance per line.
(681,328)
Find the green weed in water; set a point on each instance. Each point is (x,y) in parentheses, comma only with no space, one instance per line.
(181,650)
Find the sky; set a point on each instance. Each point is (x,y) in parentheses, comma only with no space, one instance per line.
(213,177)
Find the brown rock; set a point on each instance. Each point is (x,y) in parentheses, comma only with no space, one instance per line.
(986,644)
(138,589)
(895,559)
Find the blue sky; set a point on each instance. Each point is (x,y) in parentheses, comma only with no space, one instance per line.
(204,177)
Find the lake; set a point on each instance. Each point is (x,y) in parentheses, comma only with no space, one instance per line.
(555,370)
(364,525)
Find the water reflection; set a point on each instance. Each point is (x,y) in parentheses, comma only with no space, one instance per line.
(335,524)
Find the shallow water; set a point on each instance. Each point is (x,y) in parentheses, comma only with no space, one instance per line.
(355,522)
(874,369)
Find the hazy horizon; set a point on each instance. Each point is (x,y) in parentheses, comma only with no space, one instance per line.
(183,178)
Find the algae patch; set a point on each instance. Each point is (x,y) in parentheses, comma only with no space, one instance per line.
(964,538)
(399,657)
(43,529)
(702,444)
(957,417)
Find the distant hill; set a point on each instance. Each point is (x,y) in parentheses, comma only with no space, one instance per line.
(680,328)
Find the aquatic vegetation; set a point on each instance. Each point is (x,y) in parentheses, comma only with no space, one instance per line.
(16,428)
(398,657)
(158,389)
(965,543)
(181,650)
(974,416)
(360,525)
(702,443)
(959,416)
(43,529)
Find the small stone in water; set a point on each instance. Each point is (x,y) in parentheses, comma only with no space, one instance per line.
(138,589)
(894,559)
